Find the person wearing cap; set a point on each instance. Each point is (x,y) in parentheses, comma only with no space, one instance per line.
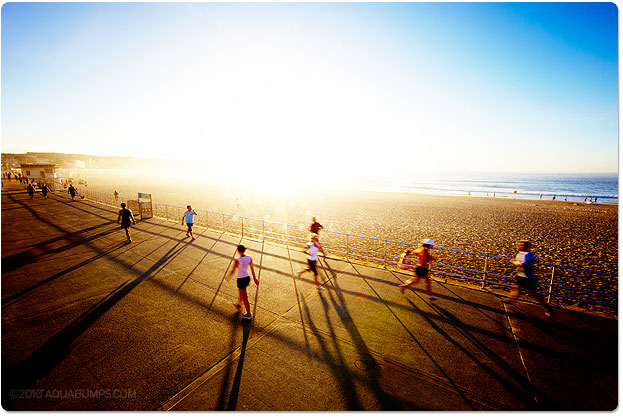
(422,268)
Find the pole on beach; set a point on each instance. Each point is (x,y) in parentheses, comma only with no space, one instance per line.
(551,282)
(484,276)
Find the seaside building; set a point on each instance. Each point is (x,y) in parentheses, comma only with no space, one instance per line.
(45,173)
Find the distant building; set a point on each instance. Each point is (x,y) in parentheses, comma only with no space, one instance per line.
(45,173)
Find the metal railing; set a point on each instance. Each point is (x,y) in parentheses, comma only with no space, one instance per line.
(489,270)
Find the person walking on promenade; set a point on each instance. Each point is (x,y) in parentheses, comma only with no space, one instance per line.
(31,191)
(9,177)
(315,227)
(125,216)
(525,277)
(116,195)
(422,267)
(311,249)
(72,191)
(189,217)
(45,190)
(242,264)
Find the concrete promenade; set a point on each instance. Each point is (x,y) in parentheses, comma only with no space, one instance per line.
(90,323)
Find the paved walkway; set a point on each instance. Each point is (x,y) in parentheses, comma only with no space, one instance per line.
(89,323)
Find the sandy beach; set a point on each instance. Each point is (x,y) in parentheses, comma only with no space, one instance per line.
(564,233)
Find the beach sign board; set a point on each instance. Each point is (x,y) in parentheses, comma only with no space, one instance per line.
(144,200)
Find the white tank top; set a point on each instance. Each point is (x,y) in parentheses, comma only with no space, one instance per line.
(243,266)
(313,250)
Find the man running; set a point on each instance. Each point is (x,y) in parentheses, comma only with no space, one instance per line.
(189,217)
(311,249)
(125,216)
(45,190)
(31,191)
(422,267)
(315,227)
(525,277)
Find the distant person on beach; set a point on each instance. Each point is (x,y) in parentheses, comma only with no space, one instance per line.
(525,277)
(189,217)
(116,195)
(72,191)
(311,249)
(45,190)
(126,216)
(422,268)
(405,261)
(31,191)
(315,226)
(242,264)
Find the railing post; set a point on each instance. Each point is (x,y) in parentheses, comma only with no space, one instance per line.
(484,276)
(551,282)
(385,254)
(347,247)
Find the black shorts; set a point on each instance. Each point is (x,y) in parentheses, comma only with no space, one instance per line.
(527,283)
(125,224)
(421,271)
(190,226)
(243,282)
(312,265)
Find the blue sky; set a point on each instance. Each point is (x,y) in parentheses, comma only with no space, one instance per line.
(358,88)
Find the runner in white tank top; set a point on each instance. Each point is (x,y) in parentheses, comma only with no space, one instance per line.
(311,249)
(242,264)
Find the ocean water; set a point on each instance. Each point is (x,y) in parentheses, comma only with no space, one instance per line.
(570,187)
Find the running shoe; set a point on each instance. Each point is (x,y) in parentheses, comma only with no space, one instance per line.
(320,288)
(246,316)
(432,298)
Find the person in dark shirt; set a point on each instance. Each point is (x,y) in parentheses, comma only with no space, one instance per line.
(125,216)
(315,226)
(72,191)
(45,190)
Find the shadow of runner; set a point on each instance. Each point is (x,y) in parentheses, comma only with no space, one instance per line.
(337,365)
(29,256)
(235,388)
(9,300)
(49,355)
(366,361)
(235,323)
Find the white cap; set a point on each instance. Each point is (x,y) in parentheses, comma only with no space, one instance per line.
(428,242)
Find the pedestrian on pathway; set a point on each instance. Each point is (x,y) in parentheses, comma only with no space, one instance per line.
(45,190)
(315,227)
(311,249)
(116,195)
(189,217)
(242,264)
(31,191)
(72,191)
(422,268)
(525,277)
(9,176)
(126,216)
